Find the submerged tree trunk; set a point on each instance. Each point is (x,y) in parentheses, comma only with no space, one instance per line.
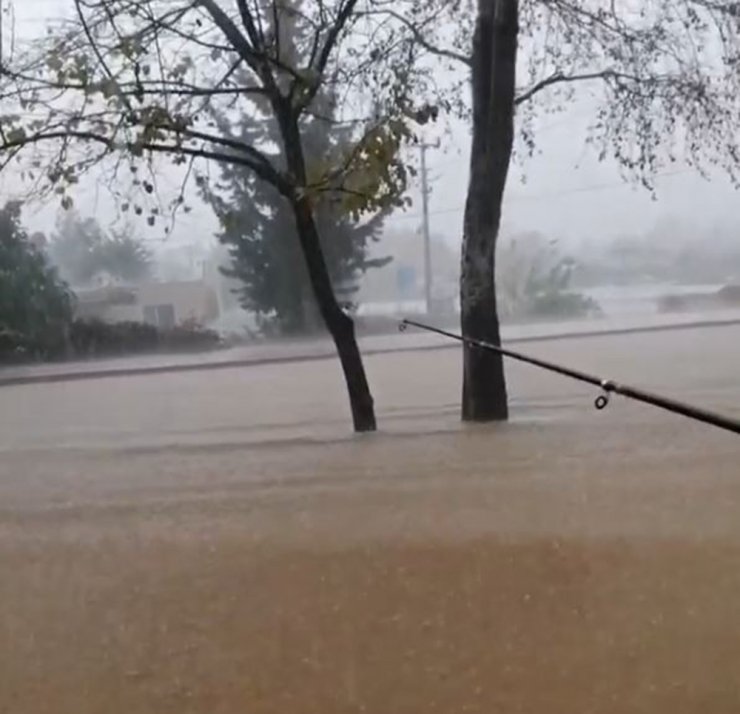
(339,324)
(493,79)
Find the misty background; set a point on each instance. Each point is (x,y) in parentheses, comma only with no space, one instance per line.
(571,225)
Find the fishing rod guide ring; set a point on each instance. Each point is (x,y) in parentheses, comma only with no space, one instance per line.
(602,401)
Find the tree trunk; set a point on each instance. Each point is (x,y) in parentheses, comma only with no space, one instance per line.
(311,317)
(339,324)
(494,84)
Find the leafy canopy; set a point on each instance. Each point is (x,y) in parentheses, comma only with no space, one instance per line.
(35,305)
(83,250)
(137,79)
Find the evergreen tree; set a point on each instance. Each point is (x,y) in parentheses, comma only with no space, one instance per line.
(81,249)
(258,228)
(258,225)
(35,305)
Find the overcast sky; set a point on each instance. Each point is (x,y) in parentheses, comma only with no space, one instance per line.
(567,193)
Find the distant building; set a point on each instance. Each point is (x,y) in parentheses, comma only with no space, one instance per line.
(163,304)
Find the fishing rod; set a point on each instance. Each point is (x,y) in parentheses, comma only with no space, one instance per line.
(607,386)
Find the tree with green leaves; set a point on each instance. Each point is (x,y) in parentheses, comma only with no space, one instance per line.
(141,79)
(81,249)
(35,305)
(260,233)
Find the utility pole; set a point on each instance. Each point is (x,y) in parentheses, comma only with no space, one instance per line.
(425,225)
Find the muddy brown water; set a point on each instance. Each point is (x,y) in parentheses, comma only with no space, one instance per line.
(564,563)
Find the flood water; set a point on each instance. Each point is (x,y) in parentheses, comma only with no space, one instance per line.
(218,542)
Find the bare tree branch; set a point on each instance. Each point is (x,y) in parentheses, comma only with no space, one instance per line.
(560,78)
(322,58)
(254,163)
(421,39)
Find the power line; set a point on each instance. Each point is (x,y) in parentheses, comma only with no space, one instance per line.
(543,196)
(538,131)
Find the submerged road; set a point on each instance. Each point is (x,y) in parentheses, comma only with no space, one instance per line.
(214,542)
(307,399)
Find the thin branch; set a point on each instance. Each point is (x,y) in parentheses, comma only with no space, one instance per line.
(234,144)
(259,63)
(233,35)
(131,88)
(560,78)
(276,28)
(421,40)
(195,91)
(275,179)
(265,172)
(168,21)
(333,37)
(253,33)
(98,55)
(324,54)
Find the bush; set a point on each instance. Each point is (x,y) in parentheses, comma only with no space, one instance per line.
(730,294)
(564,305)
(95,338)
(672,303)
(534,280)
(189,336)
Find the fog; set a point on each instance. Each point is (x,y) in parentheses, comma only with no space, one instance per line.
(562,193)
